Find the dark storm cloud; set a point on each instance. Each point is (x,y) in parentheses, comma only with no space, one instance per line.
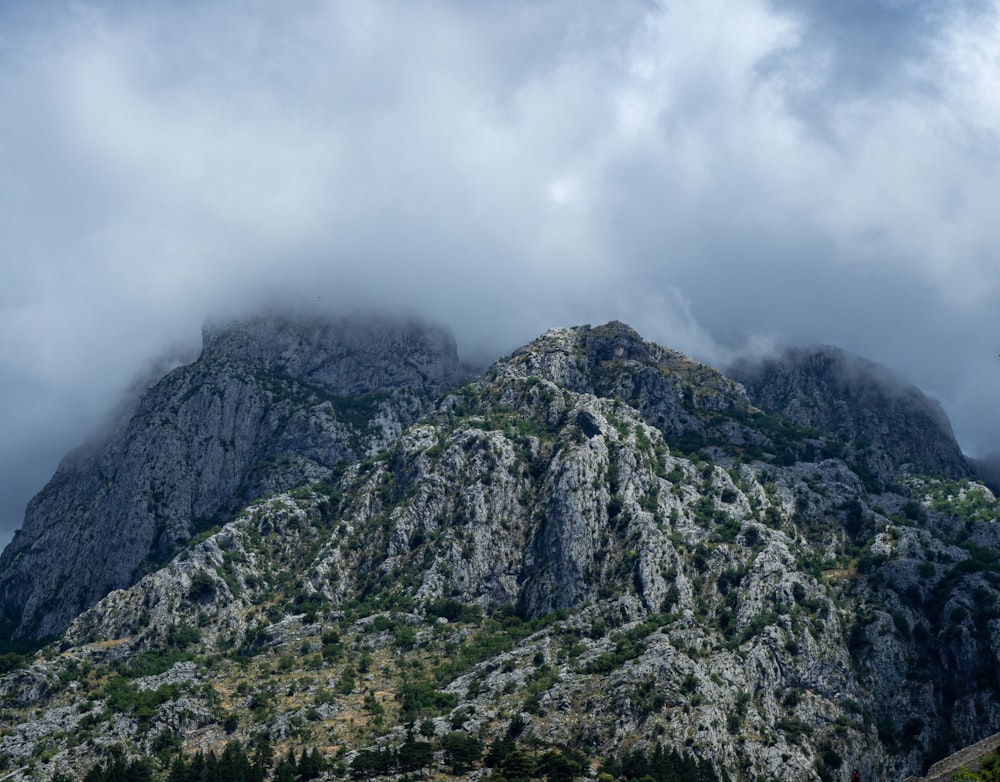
(870,43)
(722,175)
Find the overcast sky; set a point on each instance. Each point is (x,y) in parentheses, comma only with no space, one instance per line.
(724,176)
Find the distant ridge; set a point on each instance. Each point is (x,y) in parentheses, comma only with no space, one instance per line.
(848,396)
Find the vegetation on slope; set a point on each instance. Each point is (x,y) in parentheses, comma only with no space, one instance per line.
(536,582)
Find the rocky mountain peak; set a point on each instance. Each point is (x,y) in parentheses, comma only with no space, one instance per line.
(852,398)
(273,401)
(344,355)
(673,392)
(578,357)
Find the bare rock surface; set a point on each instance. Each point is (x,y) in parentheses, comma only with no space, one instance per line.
(272,402)
(598,541)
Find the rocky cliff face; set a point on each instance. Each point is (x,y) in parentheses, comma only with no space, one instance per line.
(596,546)
(887,420)
(271,403)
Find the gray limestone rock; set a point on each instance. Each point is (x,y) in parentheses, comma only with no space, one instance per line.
(860,401)
(695,571)
(273,402)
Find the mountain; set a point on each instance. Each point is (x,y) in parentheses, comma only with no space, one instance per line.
(889,422)
(272,402)
(597,557)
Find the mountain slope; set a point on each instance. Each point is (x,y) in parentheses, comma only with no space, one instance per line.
(271,402)
(599,546)
(888,420)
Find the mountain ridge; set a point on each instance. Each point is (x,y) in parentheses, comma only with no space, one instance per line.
(599,539)
(258,411)
(849,396)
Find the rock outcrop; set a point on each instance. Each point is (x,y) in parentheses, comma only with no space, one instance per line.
(672,392)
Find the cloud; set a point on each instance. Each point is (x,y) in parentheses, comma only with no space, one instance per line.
(722,175)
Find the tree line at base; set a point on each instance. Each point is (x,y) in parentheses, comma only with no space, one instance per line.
(461,752)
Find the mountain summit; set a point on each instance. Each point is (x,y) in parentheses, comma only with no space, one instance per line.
(856,400)
(599,556)
(272,402)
